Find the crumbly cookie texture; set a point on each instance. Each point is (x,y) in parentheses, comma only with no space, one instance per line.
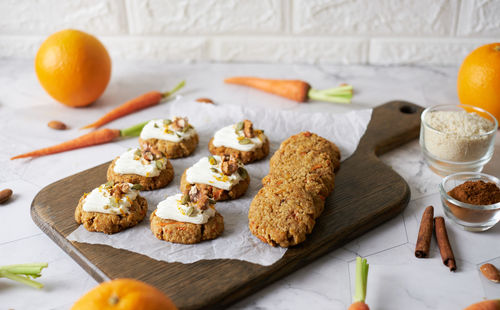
(245,157)
(186,233)
(301,176)
(218,194)
(282,214)
(172,149)
(111,223)
(147,183)
(305,142)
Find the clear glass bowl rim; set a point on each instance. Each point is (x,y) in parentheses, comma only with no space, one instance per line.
(458,203)
(427,110)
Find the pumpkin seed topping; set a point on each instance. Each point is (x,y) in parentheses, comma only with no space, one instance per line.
(212,160)
(137,187)
(245,141)
(238,127)
(242,172)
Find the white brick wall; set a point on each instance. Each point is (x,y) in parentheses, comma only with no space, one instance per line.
(311,31)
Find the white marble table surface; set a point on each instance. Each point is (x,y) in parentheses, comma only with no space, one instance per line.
(397,280)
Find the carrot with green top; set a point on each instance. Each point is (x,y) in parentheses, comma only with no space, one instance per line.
(100,136)
(361,280)
(493,304)
(144,101)
(24,273)
(295,90)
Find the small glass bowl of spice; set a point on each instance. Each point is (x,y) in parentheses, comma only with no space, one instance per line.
(457,138)
(471,199)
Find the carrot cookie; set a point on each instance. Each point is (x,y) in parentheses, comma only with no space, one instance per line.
(282,214)
(187,218)
(313,169)
(148,167)
(242,140)
(223,176)
(111,208)
(301,176)
(173,138)
(305,142)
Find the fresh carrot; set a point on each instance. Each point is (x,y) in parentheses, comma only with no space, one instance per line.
(292,89)
(360,290)
(493,304)
(144,101)
(296,90)
(100,136)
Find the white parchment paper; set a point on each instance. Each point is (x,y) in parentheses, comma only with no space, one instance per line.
(236,242)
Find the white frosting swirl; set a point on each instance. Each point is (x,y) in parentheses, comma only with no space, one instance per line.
(228,137)
(172,209)
(158,129)
(130,163)
(205,173)
(100,200)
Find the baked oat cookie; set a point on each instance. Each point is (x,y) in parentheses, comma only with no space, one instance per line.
(111,208)
(186,233)
(242,140)
(225,177)
(187,218)
(301,176)
(148,167)
(173,138)
(305,142)
(313,169)
(282,214)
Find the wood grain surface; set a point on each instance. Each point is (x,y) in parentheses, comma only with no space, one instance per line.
(367,194)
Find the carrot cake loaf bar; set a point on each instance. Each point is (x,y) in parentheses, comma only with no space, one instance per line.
(173,138)
(111,208)
(240,139)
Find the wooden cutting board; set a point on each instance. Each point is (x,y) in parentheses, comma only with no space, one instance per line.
(367,193)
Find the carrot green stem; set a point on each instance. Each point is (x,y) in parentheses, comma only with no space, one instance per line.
(22,272)
(33,270)
(133,131)
(176,88)
(361,279)
(341,94)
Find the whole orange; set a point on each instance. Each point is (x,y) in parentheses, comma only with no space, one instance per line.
(124,294)
(73,67)
(479,79)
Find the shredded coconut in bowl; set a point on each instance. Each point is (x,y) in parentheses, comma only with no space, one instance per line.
(457,136)
(459,123)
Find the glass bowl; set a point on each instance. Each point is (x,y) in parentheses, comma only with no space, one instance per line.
(447,153)
(470,217)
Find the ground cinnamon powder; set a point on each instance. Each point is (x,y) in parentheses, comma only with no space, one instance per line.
(476,193)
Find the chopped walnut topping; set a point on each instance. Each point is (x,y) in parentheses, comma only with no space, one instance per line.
(203,202)
(199,195)
(119,189)
(148,148)
(179,123)
(229,164)
(147,155)
(124,187)
(194,193)
(248,129)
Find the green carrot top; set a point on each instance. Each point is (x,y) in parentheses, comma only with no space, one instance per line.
(361,279)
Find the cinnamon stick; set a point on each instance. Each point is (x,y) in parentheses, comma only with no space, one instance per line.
(444,243)
(425,233)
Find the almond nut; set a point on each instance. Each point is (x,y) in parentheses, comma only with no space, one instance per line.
(205,100)
(490,272)
(5,195)
(57,125)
